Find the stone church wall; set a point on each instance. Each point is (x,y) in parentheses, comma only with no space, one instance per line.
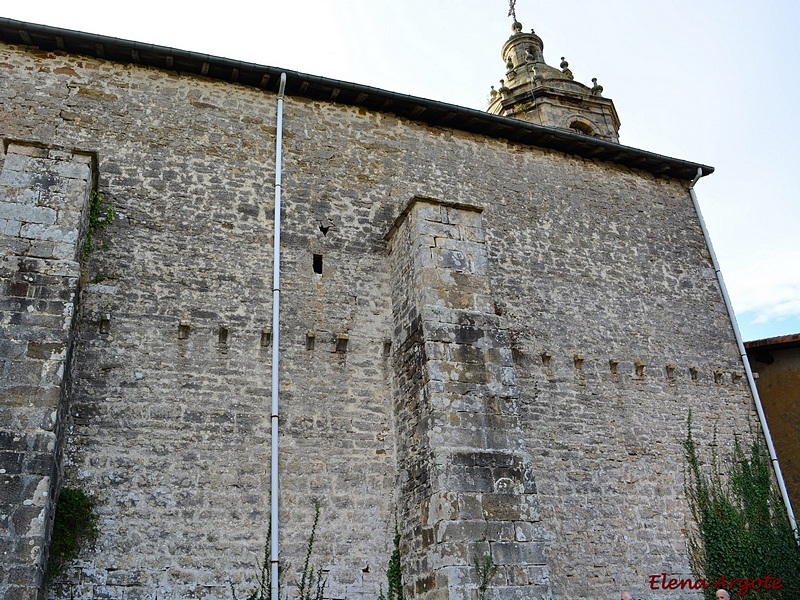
(502,367)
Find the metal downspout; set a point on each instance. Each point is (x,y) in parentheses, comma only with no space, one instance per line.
(743,353)
(276,297)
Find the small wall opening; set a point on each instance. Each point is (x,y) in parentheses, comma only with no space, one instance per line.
(310,339)
(317,264)
(266,337)
(341,343)
(222,335)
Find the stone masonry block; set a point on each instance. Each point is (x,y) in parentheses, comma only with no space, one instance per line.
(11,462)
(12,490)
(454,577)
(467,281)
(41,250)
(23,575)
(518,553)
(12,441)
(470,507)
(39,463)
(468,249)
(24,373)
(69,169)
(64,251)
(472,234)
(13,349)
(503,507)
(19,194)
(14,246)
(470,479)
(466,217)
(453,259)
(18,592)
(427,211)
(528,592)
(459,531)
(500,531)
(30,214)
(35,231)
(440,231)
(28,520)
(465,353)
(14,175)
(46,350)
(526,532)
(16,149)
(9,227)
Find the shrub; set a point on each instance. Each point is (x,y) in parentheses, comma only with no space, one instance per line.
(74,527)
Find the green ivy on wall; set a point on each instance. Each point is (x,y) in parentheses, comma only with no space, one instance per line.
(742,534)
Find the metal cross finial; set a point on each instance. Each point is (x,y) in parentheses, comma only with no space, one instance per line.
(512,12)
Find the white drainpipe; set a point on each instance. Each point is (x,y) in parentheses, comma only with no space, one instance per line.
(743,353)
(276,311)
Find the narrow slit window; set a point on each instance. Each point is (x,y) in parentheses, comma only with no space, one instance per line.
(317,264)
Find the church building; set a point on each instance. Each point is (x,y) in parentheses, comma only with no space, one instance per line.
(493,326)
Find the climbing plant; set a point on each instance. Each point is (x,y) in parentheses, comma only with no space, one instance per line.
(394,575)
(486,569)
(312,580)
(741,539)
(97,219)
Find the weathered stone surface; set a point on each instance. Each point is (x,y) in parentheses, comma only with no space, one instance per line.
(36,326)
(458,401)
(466,456)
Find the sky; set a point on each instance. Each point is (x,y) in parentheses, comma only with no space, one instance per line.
(711,81)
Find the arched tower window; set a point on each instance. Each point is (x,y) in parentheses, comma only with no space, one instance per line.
(581,127)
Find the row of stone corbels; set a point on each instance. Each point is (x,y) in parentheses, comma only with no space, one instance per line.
(637,369)
(338,341)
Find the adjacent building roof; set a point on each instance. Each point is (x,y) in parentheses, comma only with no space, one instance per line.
(331,90)
(773,343)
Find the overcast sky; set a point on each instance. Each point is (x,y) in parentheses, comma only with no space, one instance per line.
(711,81)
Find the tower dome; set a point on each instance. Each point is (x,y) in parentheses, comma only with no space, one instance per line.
(534,91)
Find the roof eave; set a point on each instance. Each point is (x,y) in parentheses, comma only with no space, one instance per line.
(320,88)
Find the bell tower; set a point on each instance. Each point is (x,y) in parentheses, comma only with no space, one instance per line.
(534,91)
